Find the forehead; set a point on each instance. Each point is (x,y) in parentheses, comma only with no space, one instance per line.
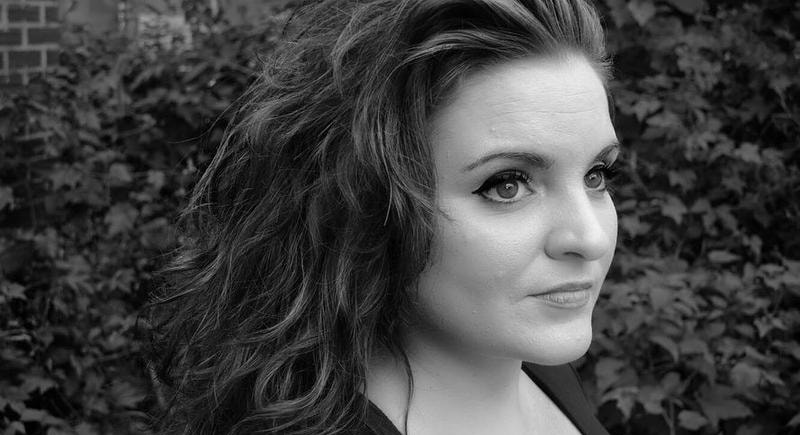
(538,102)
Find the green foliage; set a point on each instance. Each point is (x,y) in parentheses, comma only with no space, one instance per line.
(97,159)
(696,330)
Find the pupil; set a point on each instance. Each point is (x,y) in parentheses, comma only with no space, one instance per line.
(594,180)
(507,190)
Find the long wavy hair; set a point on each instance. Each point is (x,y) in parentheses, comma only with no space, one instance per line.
(307,231)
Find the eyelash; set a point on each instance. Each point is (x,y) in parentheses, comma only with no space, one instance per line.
(608,171)
(500,177)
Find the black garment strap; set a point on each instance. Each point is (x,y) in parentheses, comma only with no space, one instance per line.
(562,384)
(378,423)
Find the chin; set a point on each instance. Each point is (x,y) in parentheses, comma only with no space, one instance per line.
(560,347)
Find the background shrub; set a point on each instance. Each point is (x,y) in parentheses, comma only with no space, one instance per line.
(697,331)
(697,328)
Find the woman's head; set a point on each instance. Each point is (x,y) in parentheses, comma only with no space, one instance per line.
(317,217)
(526,228)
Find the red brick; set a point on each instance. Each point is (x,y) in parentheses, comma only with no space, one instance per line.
(51,14)
(44,36)
(23,59)
(11,79)
(11,37)
(23,13)
(52,57)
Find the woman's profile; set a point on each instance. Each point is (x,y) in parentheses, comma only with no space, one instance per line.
(404,232)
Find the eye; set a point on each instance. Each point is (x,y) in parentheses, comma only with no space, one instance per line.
(599,177)
(506,187)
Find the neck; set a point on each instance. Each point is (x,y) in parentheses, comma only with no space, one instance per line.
(455,391)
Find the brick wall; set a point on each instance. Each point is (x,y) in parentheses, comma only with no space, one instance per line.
(30,31)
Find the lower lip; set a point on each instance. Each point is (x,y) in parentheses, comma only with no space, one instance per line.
(570,299)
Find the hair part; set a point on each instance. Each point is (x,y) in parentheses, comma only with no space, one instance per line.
(307,231)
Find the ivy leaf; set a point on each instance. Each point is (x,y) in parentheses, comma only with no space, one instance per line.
(734,183)
(642,11)
(723,213)
(625,398)
(691,420)
(661,297)
(607,372)
(632,225)
(12,290)
(125,395)
(619,12)
(31,383)
(119,174)
(695,346)
(717,404)
(13,396)
(702,206)
(650,396)
(779,83)
(85,429)
(88,118)
(644,107)
(745,376)
(120,218)
(683,178)
(78,269)
(15,427)
(157,179)
(748,152)
(689,7)
(64,176)
(40,416)
(722,257)
(671,383)
(6,197)
(47,242)
(667,343)
(674,208)
(116,341)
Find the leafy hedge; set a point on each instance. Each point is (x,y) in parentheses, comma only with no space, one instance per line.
(697,328)
(89,205)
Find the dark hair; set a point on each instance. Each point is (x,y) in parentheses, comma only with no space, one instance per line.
(306,233)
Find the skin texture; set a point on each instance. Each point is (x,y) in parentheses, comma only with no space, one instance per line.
(475,319)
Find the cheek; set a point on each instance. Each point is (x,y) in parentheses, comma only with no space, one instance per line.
(476,272)
(480,252)
(610,225)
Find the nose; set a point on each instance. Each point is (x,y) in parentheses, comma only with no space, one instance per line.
(581,229)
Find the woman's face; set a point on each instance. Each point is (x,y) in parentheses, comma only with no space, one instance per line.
(526,230)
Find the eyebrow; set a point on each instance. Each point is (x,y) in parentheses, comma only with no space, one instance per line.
(533,159)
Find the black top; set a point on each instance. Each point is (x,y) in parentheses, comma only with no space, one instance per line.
(560,383)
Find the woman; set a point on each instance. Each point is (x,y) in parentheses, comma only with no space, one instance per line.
(406,230)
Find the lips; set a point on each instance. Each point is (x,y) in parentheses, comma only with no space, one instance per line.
(568,295)
(568,287)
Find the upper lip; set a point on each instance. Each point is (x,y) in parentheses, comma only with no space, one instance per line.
(568,287)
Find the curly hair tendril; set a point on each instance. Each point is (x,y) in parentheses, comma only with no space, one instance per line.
(307,231)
